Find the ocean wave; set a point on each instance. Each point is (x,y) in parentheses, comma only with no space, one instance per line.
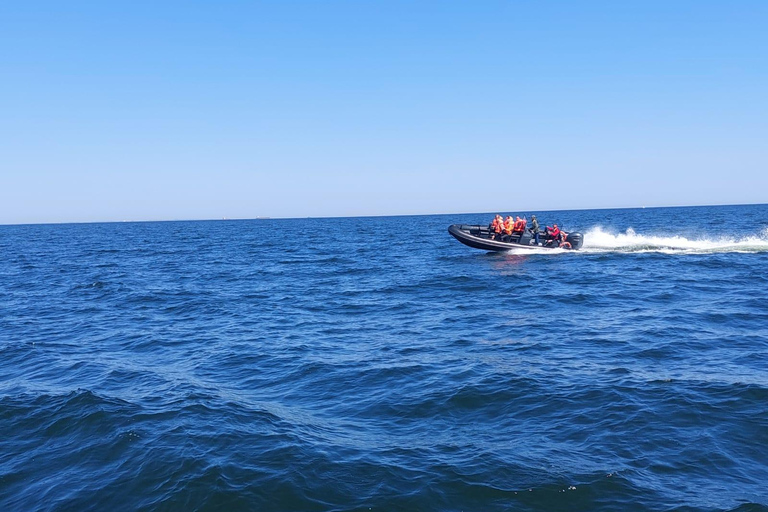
(367,365)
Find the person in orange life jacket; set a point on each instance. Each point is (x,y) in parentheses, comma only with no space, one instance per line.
(496,226)
(519,225)
(508,225)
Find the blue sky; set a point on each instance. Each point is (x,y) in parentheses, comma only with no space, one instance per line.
(150,110)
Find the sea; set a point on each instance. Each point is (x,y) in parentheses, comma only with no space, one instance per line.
(377,364)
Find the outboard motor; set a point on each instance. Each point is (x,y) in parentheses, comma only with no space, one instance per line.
(575,239)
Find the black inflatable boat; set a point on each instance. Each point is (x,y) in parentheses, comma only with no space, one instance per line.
(481,237)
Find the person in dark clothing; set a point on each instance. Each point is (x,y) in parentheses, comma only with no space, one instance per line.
(535,229)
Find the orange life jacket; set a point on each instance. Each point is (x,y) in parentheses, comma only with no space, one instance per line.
(518,225)
(497,225)
(508,226)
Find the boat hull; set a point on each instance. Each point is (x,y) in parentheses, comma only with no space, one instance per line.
(480,237)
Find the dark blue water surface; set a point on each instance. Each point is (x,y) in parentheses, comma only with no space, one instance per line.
(378,364)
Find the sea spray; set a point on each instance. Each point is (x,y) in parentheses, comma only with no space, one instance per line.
(599,240)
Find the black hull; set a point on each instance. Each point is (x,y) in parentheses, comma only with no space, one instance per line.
(479,237)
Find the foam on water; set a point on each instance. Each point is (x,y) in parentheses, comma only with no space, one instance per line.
(540,250)
(599,240)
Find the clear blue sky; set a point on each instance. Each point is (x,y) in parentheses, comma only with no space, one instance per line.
(148,110)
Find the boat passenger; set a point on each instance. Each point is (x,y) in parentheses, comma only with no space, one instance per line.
(553,232)
(509,225)
(535,229)
(499,226)
(496,227)
(519,225)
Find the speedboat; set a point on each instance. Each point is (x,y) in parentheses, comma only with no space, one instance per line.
(481,237)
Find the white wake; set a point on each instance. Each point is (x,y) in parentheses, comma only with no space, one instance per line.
(598,240)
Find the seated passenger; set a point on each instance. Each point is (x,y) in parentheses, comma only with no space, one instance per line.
(508,225)
(554,232)
(496,227)
(519,225)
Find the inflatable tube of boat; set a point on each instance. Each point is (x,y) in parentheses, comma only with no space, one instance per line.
(480,237)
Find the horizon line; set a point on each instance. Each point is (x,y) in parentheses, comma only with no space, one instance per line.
(355,216)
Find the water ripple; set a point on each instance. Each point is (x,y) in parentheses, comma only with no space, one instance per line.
(364,365)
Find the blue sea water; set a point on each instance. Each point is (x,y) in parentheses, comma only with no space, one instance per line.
(377,364)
